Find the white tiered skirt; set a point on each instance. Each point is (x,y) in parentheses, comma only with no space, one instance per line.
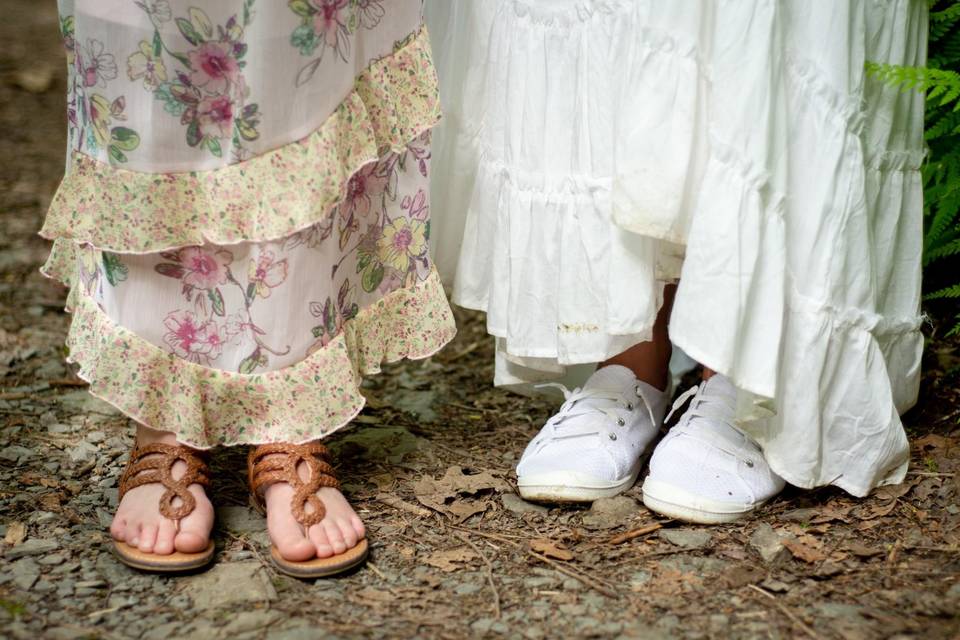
(597,151)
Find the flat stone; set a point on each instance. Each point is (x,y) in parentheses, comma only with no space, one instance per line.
(83,451)
(25,573)
(52,559)
(16,454)
(769,544)
(686,538)
(81,402)
(608,513)
(247,621)
(515,504)
(32,547)
(225,585)
(799,515)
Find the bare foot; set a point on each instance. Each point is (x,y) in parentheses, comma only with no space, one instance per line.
(339,530)
(138,521)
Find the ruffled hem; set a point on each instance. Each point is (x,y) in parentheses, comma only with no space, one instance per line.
(207,407)
(267,197)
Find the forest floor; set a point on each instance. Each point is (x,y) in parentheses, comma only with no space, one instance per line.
(429,465)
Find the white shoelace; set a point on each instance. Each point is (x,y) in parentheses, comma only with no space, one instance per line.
(573,408)
(713,407)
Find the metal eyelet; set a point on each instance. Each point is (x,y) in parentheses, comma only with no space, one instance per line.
(629,406)
(620,422)
(750,463)
(613,436)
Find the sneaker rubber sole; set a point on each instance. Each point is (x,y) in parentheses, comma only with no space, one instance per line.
(573,486)
(676,503)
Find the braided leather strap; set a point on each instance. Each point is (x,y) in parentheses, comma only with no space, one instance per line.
(154,463)
(271,463)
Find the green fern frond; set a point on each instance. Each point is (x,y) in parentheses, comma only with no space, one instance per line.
(946,292)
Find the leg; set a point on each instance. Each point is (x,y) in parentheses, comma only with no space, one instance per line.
(650,361)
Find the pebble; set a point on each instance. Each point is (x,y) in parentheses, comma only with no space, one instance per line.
(769,544)
(608,513)
(515,504)
(16,454)
(32,547)
(25,573)
(686,538)
(229,584)
(52,559)
(96,437)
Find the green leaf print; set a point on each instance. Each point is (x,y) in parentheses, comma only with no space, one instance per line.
(216,299)
(116,155)
(193,134)
(124,138)
(189,32)
(372,277)
(302,8)
(115,270)
(170,103)
(304,39)
(251,362)
(214,145)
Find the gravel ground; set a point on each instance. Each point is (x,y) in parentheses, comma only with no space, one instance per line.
(429,464)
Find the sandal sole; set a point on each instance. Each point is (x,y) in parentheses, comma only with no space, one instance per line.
(175,562)
(322,567)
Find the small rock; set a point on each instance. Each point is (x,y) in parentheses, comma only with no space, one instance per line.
(247,621)
(241,520)
(96,437)
(228,584)
(31,547)
(467,589)
(608,513)
(515,504)
(59,428)
(52,559)
(16,454)
(25,573)
(769,544)
(82,452)
(686,538)
(799,515)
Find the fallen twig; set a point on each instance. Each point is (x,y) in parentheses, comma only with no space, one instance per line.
(785,611)
(589,581)
(403,505)
(493,586)
(635,533)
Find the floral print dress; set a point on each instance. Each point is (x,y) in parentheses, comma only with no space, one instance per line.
(245,217)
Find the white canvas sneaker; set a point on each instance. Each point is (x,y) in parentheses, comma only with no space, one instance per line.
(705,469)
(593,446)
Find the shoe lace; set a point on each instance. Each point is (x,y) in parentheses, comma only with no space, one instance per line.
(582,402)
(713,406)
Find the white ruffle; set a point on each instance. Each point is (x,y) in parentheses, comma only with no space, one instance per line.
(744,137)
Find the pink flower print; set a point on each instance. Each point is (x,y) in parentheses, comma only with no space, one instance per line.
(203,269)
(214,67)
(327,22)
(215,116)
(94,66)
(362,188)
(266,273)
(192,339)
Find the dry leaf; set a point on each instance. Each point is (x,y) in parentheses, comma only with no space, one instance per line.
(891,492)
(436,493)
(803,551)
(874,511)
(16,533)
(862,550)
(550,549)
(463,509)
(932,441)
(451,559)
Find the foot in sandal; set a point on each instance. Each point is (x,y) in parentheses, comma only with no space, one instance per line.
(164,518)
(314,530)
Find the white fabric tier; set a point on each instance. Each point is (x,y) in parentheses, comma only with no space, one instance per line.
(591,140)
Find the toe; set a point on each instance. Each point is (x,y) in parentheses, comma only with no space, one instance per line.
(132,535)
(334,536)
(118,528)
(166,533)
(348,532)
(148,538)
(322,546)
(357,525)
(291,543)
(194,533)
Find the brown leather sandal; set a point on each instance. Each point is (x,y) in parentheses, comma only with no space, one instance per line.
(270,463)
(154,463)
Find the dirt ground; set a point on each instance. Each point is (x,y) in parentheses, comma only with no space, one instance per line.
(429,464)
